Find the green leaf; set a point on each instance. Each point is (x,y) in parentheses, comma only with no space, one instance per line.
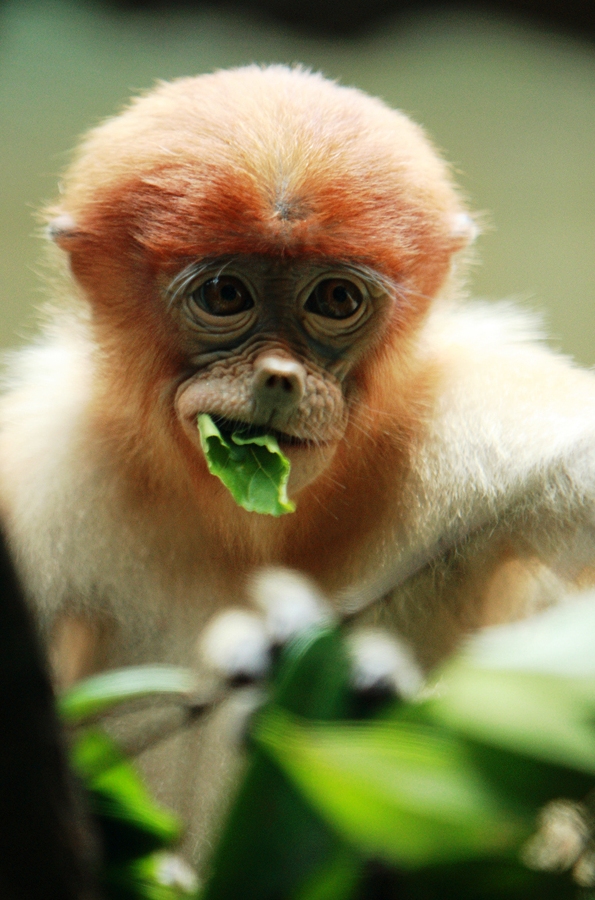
(130,822)
(336,880)
(101,693)
(528,687)
(273,843)
(94,752)
(312,678)
(501,878)
(558,641)
(404,792)
(252,468)
(547,717)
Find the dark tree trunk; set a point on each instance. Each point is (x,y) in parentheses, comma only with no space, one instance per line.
(45,846)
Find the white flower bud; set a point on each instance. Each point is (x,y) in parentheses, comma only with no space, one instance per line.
(381,662)
(291,603)
(236,645)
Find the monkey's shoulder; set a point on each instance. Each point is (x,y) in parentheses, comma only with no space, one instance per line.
(504,402)
(505,454)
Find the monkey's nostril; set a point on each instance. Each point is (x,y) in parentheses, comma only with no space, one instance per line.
(283,382)
(278,381)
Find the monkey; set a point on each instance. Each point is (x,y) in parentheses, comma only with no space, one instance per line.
(276,250)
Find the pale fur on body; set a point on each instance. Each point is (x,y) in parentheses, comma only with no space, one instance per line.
(503,471)
(461,491)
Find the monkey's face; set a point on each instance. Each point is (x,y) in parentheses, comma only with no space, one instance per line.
(260,245)
(273,346)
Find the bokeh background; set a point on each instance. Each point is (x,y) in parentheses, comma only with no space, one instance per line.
(509,100)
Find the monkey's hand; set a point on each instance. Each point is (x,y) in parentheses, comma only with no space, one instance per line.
(251,466)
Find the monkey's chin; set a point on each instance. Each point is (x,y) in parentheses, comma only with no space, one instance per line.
(308,462)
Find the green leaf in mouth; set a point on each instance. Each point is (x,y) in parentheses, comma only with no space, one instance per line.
(252,467)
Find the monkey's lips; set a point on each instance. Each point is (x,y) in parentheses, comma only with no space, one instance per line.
(310,455)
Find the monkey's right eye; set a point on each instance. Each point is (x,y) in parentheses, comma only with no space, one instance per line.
(223,296)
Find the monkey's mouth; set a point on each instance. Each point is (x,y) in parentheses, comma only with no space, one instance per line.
(227,427)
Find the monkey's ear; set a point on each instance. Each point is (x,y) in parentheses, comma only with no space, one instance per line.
(464,229)
(63,231)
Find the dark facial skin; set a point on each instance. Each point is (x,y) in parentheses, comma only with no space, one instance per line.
(273,343)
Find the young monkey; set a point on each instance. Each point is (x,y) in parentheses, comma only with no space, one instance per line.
(269,248)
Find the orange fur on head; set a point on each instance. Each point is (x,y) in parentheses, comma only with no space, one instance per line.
(268,161)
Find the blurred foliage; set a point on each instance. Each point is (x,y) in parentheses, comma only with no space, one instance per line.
(481,788)
(94,696)
(435,798)
(134,833)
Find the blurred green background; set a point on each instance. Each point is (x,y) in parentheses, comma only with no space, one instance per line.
(512,107)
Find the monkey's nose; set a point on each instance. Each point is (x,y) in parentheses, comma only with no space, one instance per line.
(279,383)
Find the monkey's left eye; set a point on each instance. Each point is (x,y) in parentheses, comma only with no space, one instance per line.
(223,296)
(335,298)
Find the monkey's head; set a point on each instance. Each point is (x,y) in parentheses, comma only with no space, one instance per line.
(257,244)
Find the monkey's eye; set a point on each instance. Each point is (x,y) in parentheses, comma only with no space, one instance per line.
(335,298)
(223,296)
